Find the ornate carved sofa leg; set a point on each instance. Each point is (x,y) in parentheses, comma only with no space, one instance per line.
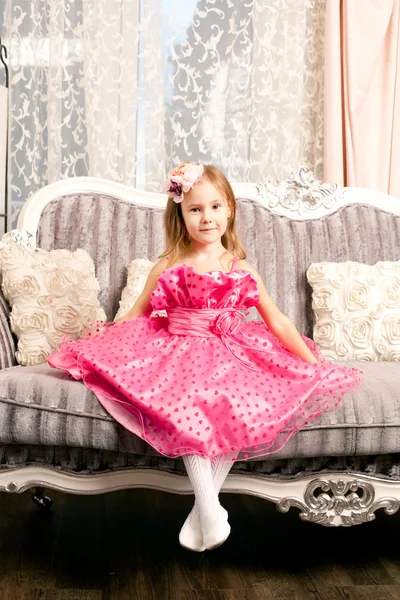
(43,502)
(341,502)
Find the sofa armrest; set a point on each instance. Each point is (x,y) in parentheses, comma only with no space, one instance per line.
(8,342)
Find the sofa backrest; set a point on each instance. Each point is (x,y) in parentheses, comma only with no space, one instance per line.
(115,231)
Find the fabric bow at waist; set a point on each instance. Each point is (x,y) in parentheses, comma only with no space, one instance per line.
(209,322)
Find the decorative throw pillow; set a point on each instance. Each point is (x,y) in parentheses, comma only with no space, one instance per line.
(50,293)
(138,271)
(357,310)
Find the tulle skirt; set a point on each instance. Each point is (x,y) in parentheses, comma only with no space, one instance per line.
(236,389)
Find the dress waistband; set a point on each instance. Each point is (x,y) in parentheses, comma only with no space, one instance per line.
(208,322)
(204,322)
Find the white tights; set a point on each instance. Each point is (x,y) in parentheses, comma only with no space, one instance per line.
(207,478)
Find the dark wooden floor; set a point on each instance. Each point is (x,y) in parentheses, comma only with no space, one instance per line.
(125,545)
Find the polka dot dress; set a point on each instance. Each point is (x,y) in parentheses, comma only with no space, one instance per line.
(202,380)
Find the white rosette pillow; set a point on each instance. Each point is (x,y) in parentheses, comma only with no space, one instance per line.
(357,310)
(50,294)
(137,273)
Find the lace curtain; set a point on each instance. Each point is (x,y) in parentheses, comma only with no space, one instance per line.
(124,90)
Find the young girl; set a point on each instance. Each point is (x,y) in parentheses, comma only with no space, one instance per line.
(203,384)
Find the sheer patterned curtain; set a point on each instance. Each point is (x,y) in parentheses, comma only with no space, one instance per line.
(124,89)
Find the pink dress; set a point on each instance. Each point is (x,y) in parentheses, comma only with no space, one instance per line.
(202,380)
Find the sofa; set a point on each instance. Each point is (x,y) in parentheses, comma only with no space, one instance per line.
(54,434)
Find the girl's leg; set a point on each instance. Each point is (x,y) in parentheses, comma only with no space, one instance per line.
(213,518)
(199,471)
(220,469)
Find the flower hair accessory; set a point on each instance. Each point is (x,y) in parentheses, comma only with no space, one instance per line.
(181,179)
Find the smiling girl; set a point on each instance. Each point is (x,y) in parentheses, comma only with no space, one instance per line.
(203,384)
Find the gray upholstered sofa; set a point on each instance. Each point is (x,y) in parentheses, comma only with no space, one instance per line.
(55,434)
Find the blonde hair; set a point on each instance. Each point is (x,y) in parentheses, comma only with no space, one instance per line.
(176,235)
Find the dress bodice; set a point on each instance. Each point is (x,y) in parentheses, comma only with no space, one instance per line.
(180,285)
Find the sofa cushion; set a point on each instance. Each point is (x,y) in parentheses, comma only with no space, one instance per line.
(51,294)
(42,405)
(357,308)
(138,271)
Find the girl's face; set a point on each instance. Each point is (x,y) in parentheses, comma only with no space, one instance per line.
(205,212)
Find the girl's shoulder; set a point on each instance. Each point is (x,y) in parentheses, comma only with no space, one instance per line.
(162,264)
(246,266)
(159,267)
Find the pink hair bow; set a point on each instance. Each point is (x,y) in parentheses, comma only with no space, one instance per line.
(181,179)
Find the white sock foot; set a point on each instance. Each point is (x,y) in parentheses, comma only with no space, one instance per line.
(219,532)
(191,534)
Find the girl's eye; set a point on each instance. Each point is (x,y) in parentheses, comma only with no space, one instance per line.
(214,206)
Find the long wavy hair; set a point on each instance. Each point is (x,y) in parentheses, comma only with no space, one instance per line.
(176,235)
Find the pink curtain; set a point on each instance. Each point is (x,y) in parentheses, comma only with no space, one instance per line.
(362,94)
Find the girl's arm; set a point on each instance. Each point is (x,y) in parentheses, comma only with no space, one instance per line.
(142,304)
(277,322)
